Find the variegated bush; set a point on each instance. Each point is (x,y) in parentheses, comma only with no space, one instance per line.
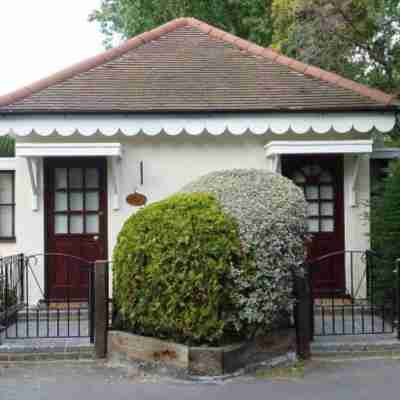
(271,214)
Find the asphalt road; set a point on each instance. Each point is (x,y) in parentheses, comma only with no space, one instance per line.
(366,379)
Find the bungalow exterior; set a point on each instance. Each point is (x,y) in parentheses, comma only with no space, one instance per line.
(164,108)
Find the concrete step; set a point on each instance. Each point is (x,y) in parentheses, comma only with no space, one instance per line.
(356,346)
(53,315)
(46,349)
(349,310)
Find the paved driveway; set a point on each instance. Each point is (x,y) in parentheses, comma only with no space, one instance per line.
(367,379)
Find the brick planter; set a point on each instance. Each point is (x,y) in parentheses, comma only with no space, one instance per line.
(200,361)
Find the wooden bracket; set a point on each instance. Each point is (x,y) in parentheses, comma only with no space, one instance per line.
(34,174)
(115,176)
(276,163)
(354,180)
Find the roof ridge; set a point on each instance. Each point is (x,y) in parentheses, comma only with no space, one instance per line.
(211,31)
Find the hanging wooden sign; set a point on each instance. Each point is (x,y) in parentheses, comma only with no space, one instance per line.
(136,199)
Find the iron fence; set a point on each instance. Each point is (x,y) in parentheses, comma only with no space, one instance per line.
(363,300)
(43,313)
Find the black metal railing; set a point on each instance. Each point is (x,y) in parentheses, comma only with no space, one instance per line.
(11,285)
(64,310)
(353,293)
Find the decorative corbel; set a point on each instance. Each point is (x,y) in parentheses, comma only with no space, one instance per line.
(115,175)
(34,174)
(354,180)
(276,163)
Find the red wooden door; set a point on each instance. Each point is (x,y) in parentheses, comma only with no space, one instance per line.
(321,177)
(76,218)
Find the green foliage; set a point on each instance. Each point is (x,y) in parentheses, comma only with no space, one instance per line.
(246,18)
(7,146)
(385,228)
(171,267)
(386,215)
(271,213)
(356,38)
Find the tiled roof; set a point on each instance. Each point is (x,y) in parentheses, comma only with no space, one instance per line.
(188,65)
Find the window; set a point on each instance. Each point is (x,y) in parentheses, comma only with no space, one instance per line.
(319,191)
(77,201)
(7,205)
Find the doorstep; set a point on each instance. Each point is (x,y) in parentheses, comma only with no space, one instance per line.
(46,349)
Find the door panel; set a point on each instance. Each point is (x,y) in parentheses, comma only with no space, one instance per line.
(76,217)
(321,178)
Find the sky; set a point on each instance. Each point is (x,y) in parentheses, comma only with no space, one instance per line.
(39,37)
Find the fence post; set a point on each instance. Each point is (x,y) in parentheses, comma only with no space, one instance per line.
(303,316)
(100,308)
(398,297)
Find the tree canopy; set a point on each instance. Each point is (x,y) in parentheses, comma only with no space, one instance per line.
(246,18)
(359,39)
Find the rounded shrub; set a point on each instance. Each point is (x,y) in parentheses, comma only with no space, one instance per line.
(171,267)
(271,214)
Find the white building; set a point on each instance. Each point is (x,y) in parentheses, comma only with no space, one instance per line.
(164,108)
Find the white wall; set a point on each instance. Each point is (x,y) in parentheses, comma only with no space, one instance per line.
(357,226)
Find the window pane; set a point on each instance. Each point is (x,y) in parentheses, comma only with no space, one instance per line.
(76,201)
(315,170)
(61,224)
(61,178)
(75,178)
(312,209)
(6,188)
(61,201)
(327,192)
(92,178)
(92,201)
(76,222)
(313,225)
(327,225)
(6,228)
(325,177)
(327,209)
(306,170)
(92,223)
(312,192)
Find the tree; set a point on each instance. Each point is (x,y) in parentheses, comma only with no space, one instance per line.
(359,39)
(385,231)
(246,18)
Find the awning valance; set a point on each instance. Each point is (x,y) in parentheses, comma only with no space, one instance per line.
(68,150)
(280,147)
(195,124)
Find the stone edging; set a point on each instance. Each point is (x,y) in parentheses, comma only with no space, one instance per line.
(201,361)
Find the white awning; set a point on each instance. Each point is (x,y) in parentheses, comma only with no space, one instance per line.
(68,150)
(196,124)
(279,147)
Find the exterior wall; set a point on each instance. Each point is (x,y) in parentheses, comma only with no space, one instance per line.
(169,163)
(357,226)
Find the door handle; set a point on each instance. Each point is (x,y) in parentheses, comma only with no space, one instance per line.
(96,237)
